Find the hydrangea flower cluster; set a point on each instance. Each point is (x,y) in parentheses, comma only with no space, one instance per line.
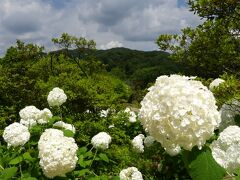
(30,116)
(56,97)
(137,143)
(64,125)
(132,115)
(101,140)
(130,173)
(215,83)
(226,149)
(44,116)
(179,112)
(16,134)
(57,153)
(228,113)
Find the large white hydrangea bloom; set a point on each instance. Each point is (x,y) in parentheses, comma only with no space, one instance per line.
(130,173)
(215,83)
(64,125)
(56,97)
(179,112)
(29,116)
(137,143)
(226,149)
(57,153)
(228,113)
(101,140)
(16,134)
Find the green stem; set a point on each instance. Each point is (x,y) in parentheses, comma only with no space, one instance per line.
(93,158)
(1,167)
(20,167)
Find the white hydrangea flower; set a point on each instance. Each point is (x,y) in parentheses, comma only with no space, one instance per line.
(228,113)
(132,115)
(64,125)
(131,173)
(137,143)
(57,153)
(16,134)
(101,140)
(104,113)
(29,116)
(148,141)
(56,97)
(226,149)
(44,116)
(179,112)
(215,83)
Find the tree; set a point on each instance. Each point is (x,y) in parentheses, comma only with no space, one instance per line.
(22,52)
(211,48)
(83,47)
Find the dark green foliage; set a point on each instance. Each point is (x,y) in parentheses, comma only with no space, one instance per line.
(201,165)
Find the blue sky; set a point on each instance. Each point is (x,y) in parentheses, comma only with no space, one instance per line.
(111,23)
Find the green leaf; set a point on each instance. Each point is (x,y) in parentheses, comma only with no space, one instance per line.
(16,160)
(201,165)
(29,178)
(82,150)
(104,177)
(88,162)
(88,154)
(68,133)
(81,161)
(8,173)
(27,156)
(83,172)
(104,157)
(115,178)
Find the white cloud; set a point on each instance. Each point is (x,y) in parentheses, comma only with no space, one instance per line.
(135,23)
(111,44)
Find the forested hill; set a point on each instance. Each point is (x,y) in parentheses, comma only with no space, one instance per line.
(137,67)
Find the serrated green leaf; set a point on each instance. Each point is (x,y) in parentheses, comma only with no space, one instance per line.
(68,133)
(103,157)
(201,165)
(8,173)
(16,160)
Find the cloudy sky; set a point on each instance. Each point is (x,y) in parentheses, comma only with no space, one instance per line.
(111,23)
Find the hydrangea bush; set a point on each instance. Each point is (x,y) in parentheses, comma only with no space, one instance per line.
(178,122)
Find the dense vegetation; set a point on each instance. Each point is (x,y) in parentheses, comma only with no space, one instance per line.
(97,80)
